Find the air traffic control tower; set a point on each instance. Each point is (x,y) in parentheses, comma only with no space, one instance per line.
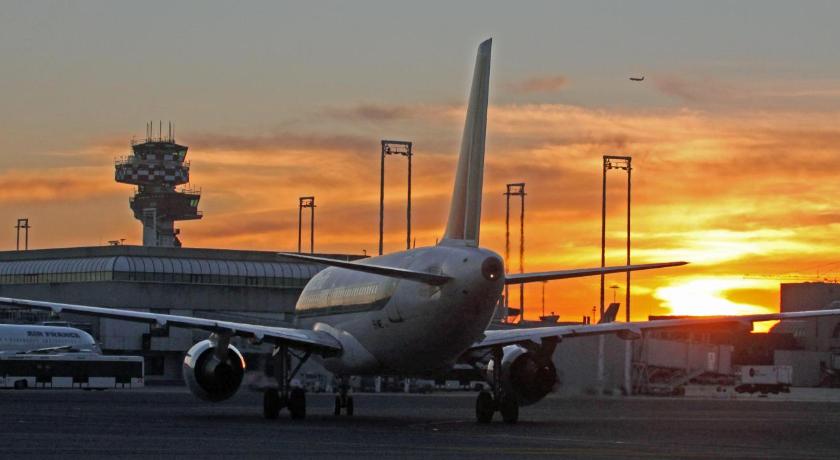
(156,167)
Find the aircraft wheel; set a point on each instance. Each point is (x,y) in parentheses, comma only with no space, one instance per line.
(271,404)
(297,403)
(349,407)
(485,407)
(509,408)
(337,410)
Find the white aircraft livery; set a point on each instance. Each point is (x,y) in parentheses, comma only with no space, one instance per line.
(25,338)
(409,313)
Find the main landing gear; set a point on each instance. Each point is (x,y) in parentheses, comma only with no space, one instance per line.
(275,400)
(343,400)
(488,402)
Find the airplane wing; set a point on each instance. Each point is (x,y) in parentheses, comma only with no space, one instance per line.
(316,341)
(423,277)
(47,350)
(519,278)
(626,330)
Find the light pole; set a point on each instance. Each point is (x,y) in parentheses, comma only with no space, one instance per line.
(402,148)
(23,224)
(307,202)
(516,189)
(623,163)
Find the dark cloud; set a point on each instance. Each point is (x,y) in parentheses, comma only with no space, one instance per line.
(283,141)
(696,90)
(740,95)
(372,112)
(546,84)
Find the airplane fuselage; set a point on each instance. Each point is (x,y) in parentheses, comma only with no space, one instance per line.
(16,338)
(398,326)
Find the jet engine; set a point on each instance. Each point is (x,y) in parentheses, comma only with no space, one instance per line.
(210,378)
(524,375)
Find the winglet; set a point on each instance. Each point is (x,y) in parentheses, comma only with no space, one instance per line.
(465,210)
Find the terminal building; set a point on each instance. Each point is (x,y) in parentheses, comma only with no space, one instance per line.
(816,357)
(246,286)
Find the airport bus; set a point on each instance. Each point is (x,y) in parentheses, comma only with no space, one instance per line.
(89,371)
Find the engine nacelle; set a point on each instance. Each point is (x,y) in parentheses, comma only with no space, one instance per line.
(208,377)
(523,375)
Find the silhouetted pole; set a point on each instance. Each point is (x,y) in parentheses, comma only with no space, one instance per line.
(627,288)
(507,247)
(300,221)
(408,206)
(517,189)
(312,225)
(603,228)
(381,195)
(307,202)
(615,162)
(24,225)
(522,254)
(394,148)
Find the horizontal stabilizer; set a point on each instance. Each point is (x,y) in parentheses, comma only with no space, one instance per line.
(393,272)
(520,278)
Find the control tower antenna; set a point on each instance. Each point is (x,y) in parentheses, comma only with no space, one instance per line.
(156,167)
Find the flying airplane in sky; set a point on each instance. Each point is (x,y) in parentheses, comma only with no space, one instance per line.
(642,78)
(410,313)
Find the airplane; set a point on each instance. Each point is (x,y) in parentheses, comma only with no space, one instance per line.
(413,313)
(642,78)
(32,339)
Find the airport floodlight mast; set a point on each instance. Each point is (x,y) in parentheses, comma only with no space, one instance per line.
(402,148)
(543,297)
(517,189)
(622,163)
(156,166)
(307,202)
(22,224)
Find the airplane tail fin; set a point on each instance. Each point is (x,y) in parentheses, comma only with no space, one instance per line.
(610,314)
(465,211)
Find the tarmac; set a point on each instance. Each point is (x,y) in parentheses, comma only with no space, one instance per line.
(168,421)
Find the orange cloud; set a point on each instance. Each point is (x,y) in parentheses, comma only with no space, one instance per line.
(737,193)
(70,184)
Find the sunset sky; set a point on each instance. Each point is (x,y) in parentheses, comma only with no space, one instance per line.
(734,133)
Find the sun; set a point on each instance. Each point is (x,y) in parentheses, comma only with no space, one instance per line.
(707,297)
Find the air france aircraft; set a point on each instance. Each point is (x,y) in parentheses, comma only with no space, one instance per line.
(25,339)
(409,313)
